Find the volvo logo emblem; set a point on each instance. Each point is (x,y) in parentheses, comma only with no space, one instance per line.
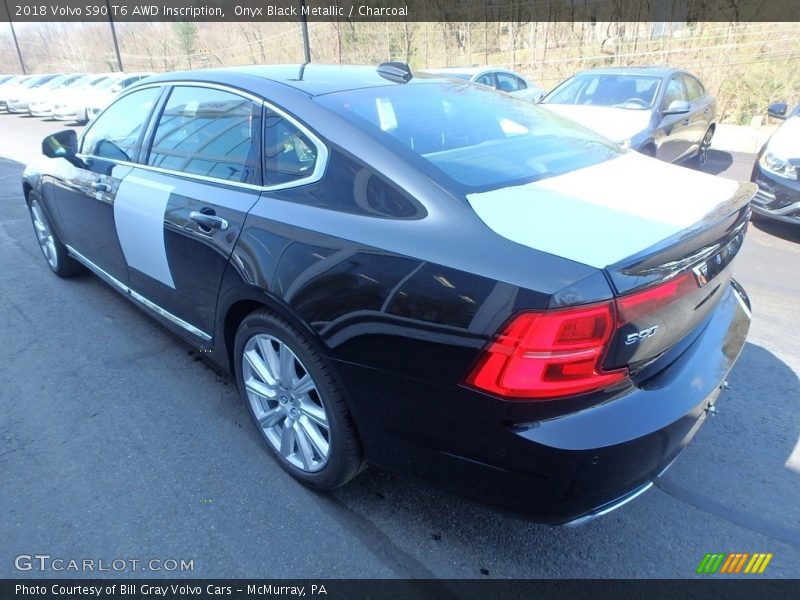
(701,274)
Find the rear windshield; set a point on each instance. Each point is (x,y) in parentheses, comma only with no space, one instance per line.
(480,138)
(601,89)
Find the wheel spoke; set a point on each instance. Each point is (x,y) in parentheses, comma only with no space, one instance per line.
(304,385)
(315,413)
(260,389)
(306,452)
(286,372)
(271,418)
(259,367)
(270,358)
(315,437)
(287,439)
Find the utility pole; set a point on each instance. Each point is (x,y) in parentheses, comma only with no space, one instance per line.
(113,36)
(304,27)
(14,35)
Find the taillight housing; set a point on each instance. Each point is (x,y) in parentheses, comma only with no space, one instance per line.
(554,353)
(549,354)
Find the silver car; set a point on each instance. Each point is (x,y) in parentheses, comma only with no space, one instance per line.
(662,112)
(499,79)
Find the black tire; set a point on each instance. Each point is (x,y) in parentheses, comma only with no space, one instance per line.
(62,264)
(701,158)
(344,459)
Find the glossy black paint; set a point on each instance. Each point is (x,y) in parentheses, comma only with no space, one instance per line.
(396,280)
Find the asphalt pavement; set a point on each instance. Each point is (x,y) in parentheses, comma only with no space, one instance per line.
(118,442)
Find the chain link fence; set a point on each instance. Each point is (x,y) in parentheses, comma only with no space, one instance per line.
(746,65)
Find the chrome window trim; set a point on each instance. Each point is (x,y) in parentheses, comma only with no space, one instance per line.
(114,282)
(322,150)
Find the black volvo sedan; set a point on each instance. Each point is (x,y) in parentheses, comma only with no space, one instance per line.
(413,272)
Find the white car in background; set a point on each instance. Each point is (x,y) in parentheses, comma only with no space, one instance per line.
(20,101)
(12,95)
(37,96)
(499,79)
(8,87)
(103,93)
(70,105)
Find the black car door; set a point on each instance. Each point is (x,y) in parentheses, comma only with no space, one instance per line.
(701,114)
(675,129)
(85,192)
(181,210)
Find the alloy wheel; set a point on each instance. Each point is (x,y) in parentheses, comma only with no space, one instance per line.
(44,235)
(286,403)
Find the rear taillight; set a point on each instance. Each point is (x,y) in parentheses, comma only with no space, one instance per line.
(633,307)
(549,354)
(543,355)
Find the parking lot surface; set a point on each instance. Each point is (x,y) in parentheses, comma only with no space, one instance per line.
(117,441)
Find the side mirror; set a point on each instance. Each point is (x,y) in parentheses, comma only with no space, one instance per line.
(678,107)
(778,110)
(63,144)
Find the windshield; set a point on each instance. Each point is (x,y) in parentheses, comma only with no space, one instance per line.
(40,81)
(59,81)
(478,137)
(619,90)
(107,83)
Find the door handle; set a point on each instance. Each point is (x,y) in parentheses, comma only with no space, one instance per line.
(686,121)
(209,221)
(707,109)
(100,186)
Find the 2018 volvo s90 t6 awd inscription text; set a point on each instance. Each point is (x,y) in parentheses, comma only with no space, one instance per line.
(413,272)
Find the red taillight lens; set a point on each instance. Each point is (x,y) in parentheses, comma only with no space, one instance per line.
(635,306)
(549,354)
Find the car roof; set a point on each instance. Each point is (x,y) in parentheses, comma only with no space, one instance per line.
(313,79)
(471,70)
(651,71)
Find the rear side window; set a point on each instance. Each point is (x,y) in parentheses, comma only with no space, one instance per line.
(289,154)
(208,132)
(115,133)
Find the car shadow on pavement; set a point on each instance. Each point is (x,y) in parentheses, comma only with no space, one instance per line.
(743,468)
(718,162)
(787,231)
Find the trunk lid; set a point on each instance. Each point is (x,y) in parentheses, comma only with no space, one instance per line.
(666,293)
(656,230)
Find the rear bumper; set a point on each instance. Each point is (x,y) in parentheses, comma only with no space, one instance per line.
(565,469)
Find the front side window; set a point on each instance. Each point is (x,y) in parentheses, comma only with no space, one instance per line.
(675,91)
(115,133)
(478,138)
(289,154)
(208,132)
(486,79)
(507,82)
